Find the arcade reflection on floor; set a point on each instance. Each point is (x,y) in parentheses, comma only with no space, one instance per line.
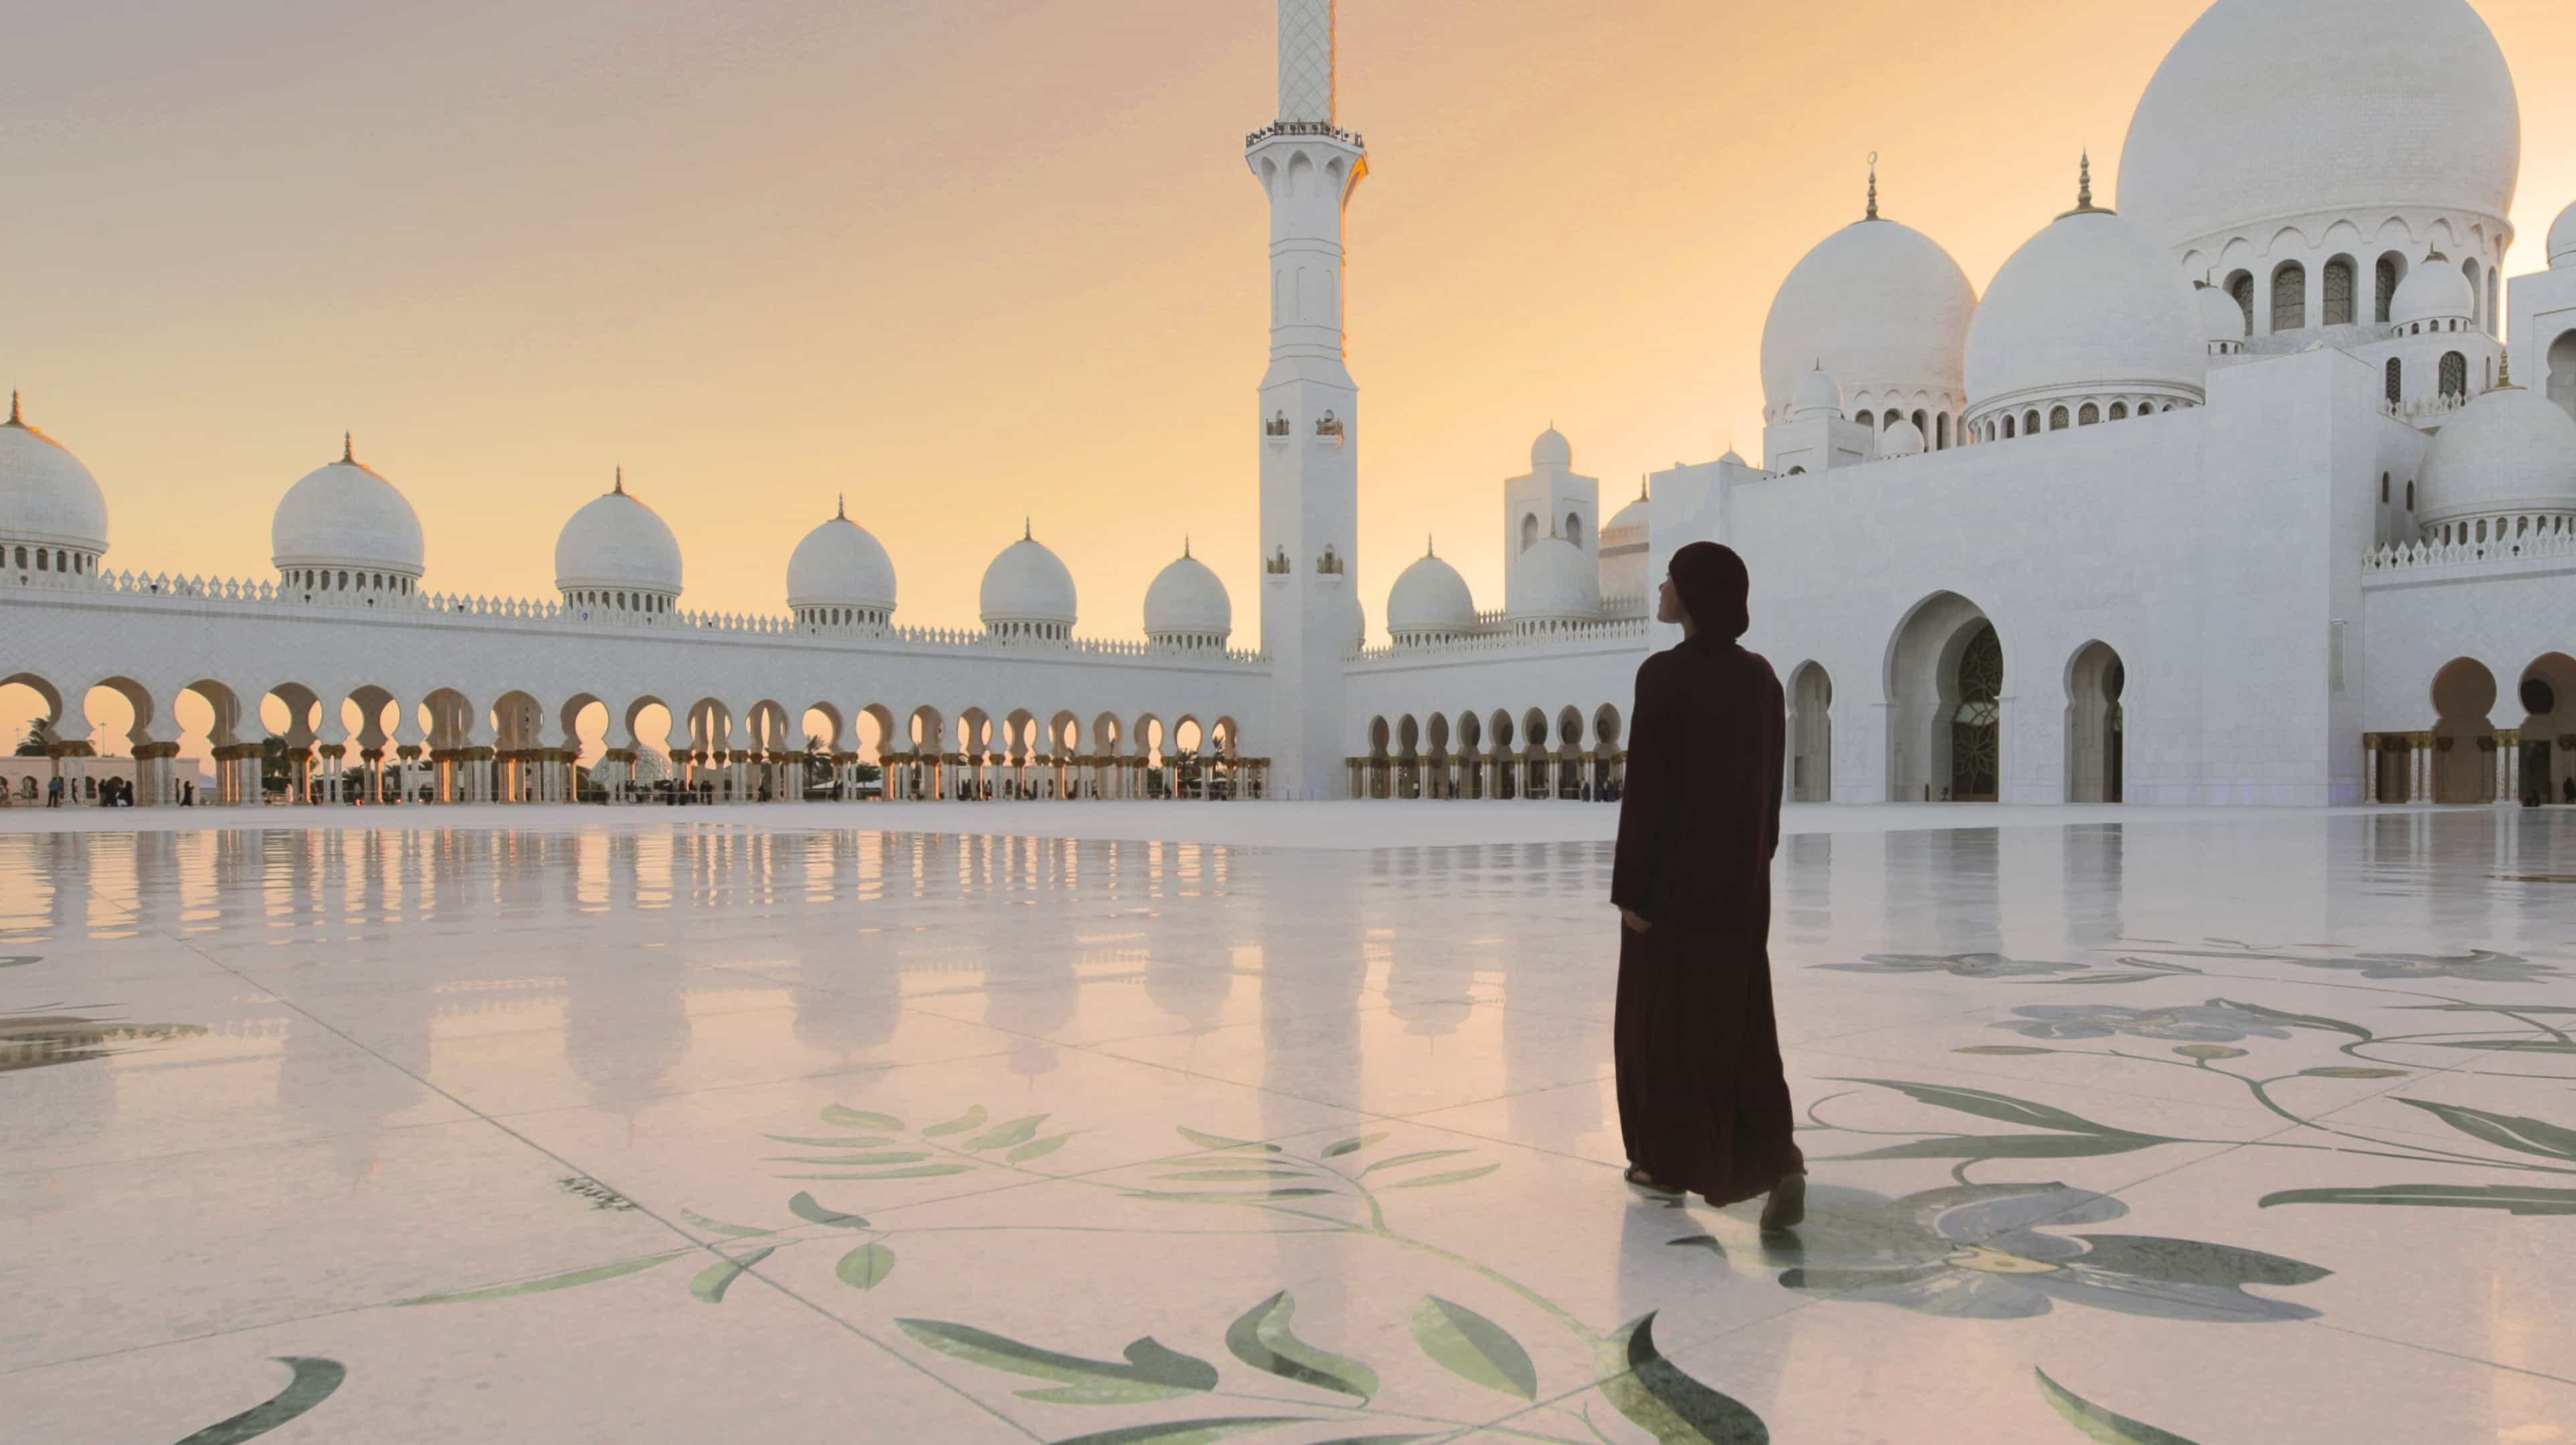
(2190,1130)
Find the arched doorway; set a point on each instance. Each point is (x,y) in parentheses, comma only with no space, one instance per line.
(2463,740)
(1945,677)
(2094,726)
(2562,372)
(1811,735)
(2548,697)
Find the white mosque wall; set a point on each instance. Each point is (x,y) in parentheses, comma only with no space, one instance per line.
(2544,333)
(234,650)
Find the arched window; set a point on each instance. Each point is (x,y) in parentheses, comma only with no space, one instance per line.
(2477,292)
(2088,414)
(1923,423)
(1797,471)
(2410,496)
(2395,385)
(2240,289)
(2455,375)
(2030,423)
(2119,411)
(43,560)
(2384,278)
(2008,428)
(2338,298)
(1574,528)
(1941,432)
(2495,274)
(2383,489)
(2057,418)
(2289,296)
(1529,530)
(1868,419)
(22,555)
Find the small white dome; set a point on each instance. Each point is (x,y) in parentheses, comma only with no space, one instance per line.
(1637,515)
(840,565)
(1187,599)
(2087,304)
(46,495)
(2267,110)
(1903,439)
(1877,304)
(1429,597)
(1552,580)
(1732,455)
(1817,395)
(1551,450)
(2510,451)
(2562,239)
(2221,319)
(345,515)
(1027,584)
(2433,291)
(616,542)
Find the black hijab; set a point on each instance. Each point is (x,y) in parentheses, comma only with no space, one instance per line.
(1712,582)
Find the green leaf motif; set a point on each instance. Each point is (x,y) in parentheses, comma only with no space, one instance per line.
(550,1282)
(712,1281)
(2526,1199)
(840,1118)
(312,1383)
(2010,1146)
(2505,1131)
(1151,1372)
(2001,1107)
(1473,1348)
(1219,1196)
(972,1119)
(1197,1432)
(1263,1339)
(2305,1021)
(1340,1147)
(1038,1148)
(2098,1423)
(718,1226)
(1660,1399)
(852,1161)
(1454,1176)
(1233,1176)
(866,1266)
(1018,1131)
(804,1207)
(819,1141)
(1400,1160)
(917,1171)
(1223,1144)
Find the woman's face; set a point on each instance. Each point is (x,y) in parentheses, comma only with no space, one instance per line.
(1668,603)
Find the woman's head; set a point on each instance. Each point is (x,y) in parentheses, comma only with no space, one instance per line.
(1709,583)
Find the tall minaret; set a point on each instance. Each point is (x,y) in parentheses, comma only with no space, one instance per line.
(1309,422)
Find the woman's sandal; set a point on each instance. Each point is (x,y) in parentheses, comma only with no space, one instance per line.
(1637,1176)
(1787,1206)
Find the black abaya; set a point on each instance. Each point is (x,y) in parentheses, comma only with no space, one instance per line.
(1703,1095)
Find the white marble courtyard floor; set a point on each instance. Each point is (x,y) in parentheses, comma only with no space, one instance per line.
(762,1124)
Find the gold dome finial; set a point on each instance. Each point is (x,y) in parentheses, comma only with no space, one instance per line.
(840,506)
(15,419)
(1185,546)
(2084,189)
(1027,532)
(1873,188)
(1426,546)
(2504,372)
(620,489)
(348,450)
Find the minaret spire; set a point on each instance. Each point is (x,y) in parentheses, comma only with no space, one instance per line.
(1306,83)
(1873,188)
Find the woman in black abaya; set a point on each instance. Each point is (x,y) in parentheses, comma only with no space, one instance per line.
(1703,1095)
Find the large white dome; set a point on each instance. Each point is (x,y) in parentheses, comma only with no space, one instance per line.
(46,495)
(2087,305)
(840,565)
(1187,601)
(1429,599)
(1551,581)
(1028,586)
(346,516)
(2269,109)
(1878,305)
(614,543)
(2562,239)
(2511,452)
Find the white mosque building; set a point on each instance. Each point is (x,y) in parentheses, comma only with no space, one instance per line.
(2259,488)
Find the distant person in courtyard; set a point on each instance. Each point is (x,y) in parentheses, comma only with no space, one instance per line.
(1703,1095)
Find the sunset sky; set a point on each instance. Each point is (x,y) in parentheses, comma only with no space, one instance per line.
(976,259)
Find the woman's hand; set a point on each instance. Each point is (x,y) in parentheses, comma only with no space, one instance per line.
(1633,921)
